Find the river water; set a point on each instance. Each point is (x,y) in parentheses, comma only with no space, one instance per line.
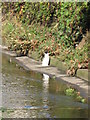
(27,94)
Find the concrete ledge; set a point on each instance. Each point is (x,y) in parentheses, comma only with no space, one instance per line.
(60,65)
(82,73)
(53,62)
(5,50)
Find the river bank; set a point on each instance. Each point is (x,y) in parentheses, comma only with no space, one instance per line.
(31,64)
(80,73)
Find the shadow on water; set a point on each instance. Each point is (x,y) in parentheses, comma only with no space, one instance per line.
(33,95)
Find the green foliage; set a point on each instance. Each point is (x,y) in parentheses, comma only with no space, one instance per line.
(70,16)
(71,28)
(72,92)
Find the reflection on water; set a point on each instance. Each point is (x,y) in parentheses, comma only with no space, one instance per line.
(30,95)
(45,81)
(45,94)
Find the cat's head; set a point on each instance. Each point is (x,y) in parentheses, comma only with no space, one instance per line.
(46,51)
(46,54)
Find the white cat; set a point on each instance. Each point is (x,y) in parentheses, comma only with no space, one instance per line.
(46,59)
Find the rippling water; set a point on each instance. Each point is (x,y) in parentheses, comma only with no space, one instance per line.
(33,95)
